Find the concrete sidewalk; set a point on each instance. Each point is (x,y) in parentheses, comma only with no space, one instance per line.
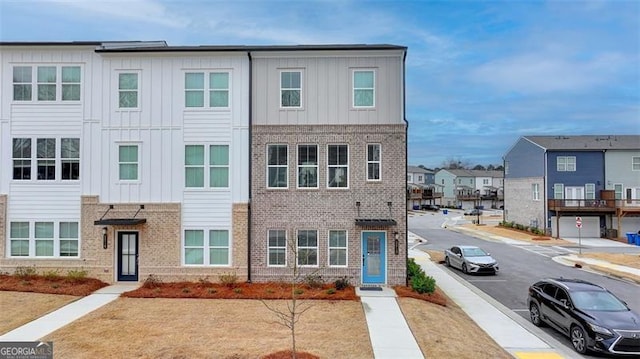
(57,319)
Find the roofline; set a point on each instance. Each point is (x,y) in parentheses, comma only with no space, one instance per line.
(254,48)
(44,43)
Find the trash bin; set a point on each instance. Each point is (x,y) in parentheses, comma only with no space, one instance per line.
(416,207)
(631,237)
(445,211)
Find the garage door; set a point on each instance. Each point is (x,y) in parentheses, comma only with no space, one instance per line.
(590,227)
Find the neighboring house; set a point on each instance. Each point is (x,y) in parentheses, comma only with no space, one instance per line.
(126,159)
(129,159)
(328,163)
(470,188)
(552,180)
(421,187)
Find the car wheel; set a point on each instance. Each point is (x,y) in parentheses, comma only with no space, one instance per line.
(464,268)
(534,314)
(578,339)
(446,262)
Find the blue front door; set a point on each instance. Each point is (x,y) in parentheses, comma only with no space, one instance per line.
(128,256)
(373,257)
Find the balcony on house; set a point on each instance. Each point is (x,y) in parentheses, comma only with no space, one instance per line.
(607,203)
(431,192)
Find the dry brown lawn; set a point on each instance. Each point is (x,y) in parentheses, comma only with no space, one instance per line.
(18,308)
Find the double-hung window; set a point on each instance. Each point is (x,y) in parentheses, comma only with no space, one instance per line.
(70,83)
(617,190)
(535,191)
(277,166)
(68,234)
(40,239)
(46,158)
(291,89)
(373,162)
(213,251)
(217,159)
(21,158)
(338,248)
(128,87)
(566,163)
(216,86)
(635,163)
(558,191)
(363,88)
(22,83)
(44,239)
(590,191)
(338,166)
(128,162)
(46,83)
(70,158)
(19,238)
(307,252)
(277,247)
(307,166)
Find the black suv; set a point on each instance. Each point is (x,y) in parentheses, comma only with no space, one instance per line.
(591,316)
(430,207)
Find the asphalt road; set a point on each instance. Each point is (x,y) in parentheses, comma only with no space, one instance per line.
(520,265)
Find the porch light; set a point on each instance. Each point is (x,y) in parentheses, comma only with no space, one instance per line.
(104,237)
(396,242)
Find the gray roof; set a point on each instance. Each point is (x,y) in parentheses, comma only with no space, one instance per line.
(586,142)
(476,173)
(416,169)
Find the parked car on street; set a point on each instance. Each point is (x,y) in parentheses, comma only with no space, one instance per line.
(470,259)
(430,207)
(591,316)
(473,212)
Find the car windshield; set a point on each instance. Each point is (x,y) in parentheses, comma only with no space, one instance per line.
(597,300)
(473,252)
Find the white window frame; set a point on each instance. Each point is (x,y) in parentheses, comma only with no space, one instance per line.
(32,239)
(137,163)
(208,90)
(375,162)
(618,190)
(300,167)
(196,247)
(277,247)
(337,166)
(558,188)
(354,88)
(274,166)
(635,163)
(137,90)
(566,164)
(58,83)
(206,247)
(307,248)
(299,89)
(212,246)
(217,166)
(535,191)
(338,248)
(34,160)
(590,191)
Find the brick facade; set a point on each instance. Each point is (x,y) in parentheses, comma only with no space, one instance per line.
(324,209)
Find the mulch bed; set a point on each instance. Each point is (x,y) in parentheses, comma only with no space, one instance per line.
(437,297)
(50,284)
(288,354)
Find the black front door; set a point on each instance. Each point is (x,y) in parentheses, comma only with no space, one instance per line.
(128,256)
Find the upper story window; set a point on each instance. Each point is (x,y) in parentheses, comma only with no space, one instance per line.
(277,166)
(307,166)
(52,83)
(128,162)
(373,162)
(128,87)
(216,86)
(635,163)
(535,191)
(617,190)
(218,169)
(291,89)
(558,191)
(47,159)
(363,88)
(590,191)
(566,163)
(338,166)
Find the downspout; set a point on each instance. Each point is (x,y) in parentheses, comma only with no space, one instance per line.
(250,166)
(406,161)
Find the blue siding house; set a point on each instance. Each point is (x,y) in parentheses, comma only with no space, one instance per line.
(552,181)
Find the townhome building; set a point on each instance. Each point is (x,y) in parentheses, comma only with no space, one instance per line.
(329,163)
(421,188)
(131,159)
(467,189)
(124,159)
(551,181)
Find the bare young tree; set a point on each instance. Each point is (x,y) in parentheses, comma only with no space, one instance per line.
(295,307)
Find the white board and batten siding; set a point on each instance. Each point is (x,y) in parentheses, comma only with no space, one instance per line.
(327,88)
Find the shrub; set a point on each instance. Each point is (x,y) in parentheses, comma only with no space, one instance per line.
(331,291)
(25,273)
(298,291)
(186,290)
(52,275)
(228,279)
(76,275)
(314,281)
(204,282)
(342,283)
(212,290)
(152,281)
(237,290)
(413,269)
(423,284)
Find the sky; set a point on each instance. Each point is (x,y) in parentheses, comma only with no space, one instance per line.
(479,74)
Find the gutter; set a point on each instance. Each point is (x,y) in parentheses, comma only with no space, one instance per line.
(250,165)
(406,160)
